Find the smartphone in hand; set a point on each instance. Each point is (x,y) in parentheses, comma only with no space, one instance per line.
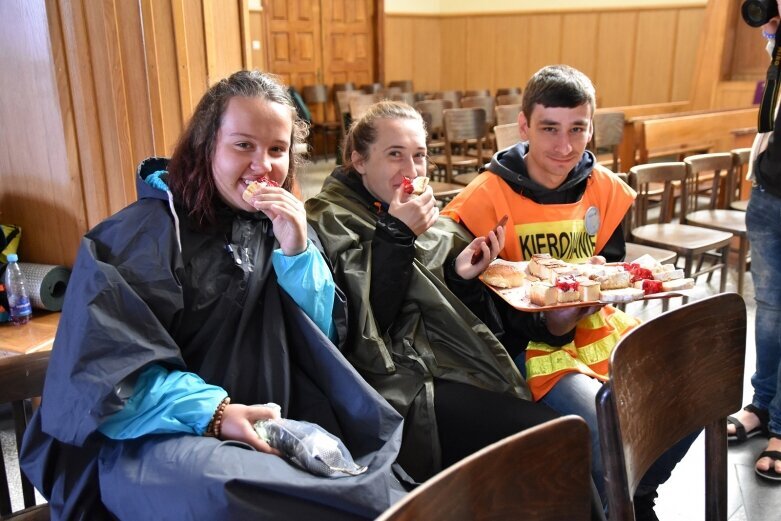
(478,255)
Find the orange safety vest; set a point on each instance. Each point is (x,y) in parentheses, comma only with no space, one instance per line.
(561,230)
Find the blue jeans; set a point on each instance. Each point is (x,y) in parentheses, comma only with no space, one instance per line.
(576,394)
(763,219)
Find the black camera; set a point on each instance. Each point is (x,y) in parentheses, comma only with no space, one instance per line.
(757,13)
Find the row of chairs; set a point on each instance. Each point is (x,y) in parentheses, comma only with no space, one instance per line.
(543,473)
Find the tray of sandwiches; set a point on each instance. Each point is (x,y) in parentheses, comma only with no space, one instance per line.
(547,283)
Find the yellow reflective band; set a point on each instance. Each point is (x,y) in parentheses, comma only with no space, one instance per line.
(566,240)
(621,321)
(600,350)
(554,362)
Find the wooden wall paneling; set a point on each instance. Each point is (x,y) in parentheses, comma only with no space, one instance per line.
(734,94)
(544,41)
(710,51)
(511,57)
(480,57)
(245,22)
(401,51)
(454,42)
(615,58)
(579,37)
(258,41)
(685,52)
(162,73)
(111,93)
(747,61)
(653,63)
(37,190)
(293,38)
(427,55)
(182,58)
(78,55)
(223,38)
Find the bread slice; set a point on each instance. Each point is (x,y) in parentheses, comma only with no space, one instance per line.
(677,284)
(614,279)
(589,290)
(503,276)
(542,294)
(254,186)
(621,295)
(664,276)
(419,185)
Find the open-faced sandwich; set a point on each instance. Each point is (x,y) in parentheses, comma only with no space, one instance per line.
(254,186)
(415,186)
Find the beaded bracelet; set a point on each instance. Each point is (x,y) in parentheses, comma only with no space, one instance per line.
(214,429)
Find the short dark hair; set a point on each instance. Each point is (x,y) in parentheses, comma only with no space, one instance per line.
(558,86)
(190,175)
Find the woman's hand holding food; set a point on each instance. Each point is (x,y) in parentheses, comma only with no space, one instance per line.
(418,212)
(238,424)
(287,215)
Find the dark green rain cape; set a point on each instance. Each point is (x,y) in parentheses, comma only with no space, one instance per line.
(434,336)
(137,298)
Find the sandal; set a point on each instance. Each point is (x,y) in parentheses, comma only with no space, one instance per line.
(774,456)
(741,435)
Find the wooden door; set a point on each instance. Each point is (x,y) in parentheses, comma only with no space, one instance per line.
(293,40)
(321,41)
(349,39)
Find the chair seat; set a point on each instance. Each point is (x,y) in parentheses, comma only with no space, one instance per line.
(635,251)
(445,190)
(739,205)
(455,160)
(732,221)
(464,179)
(681,237)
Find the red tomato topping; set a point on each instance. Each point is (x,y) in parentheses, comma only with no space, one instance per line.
(567,284)
(652,286)
(406,184)
(268,182)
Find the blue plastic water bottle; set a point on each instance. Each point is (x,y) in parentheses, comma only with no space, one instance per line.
(16,288)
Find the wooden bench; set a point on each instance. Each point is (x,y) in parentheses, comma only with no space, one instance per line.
(682,133)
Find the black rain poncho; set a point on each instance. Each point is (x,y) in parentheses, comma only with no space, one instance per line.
(137,298)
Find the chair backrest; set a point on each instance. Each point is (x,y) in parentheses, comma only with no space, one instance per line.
(315,94)
(371,88)
(608,133)
(404,85)
(656,182)
(483,102)
(404,97)
(509,99)
(453,96)
(436,108)
(670,377)
(464,124)
(477,92)
(506,135)
(21,378)
(706,174)
(540,473)
(507,114)
(741,158)
(508,91)
(360,103)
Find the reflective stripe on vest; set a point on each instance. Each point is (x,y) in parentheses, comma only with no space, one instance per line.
(595,337)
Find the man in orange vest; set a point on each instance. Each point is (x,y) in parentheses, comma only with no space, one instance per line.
(560,201)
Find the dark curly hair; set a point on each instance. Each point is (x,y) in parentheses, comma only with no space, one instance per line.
(190,175)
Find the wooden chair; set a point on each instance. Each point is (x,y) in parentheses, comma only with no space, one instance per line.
(21,378)
(404,97)
(453,96)
(507,114)
(670,377)
(478,92)
(508,91)
(488,104)
(634,250)
(720,168)
(686,240)
(371,88)
(316,98)
(360,103)
(608,134)
(436,125)
(741,158)
(541,473)
(509,99)
(506,135)
(404,85)
(462,126)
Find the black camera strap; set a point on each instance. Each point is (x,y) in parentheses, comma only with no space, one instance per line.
(767,108)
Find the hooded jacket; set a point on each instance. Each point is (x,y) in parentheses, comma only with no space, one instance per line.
(430,334)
